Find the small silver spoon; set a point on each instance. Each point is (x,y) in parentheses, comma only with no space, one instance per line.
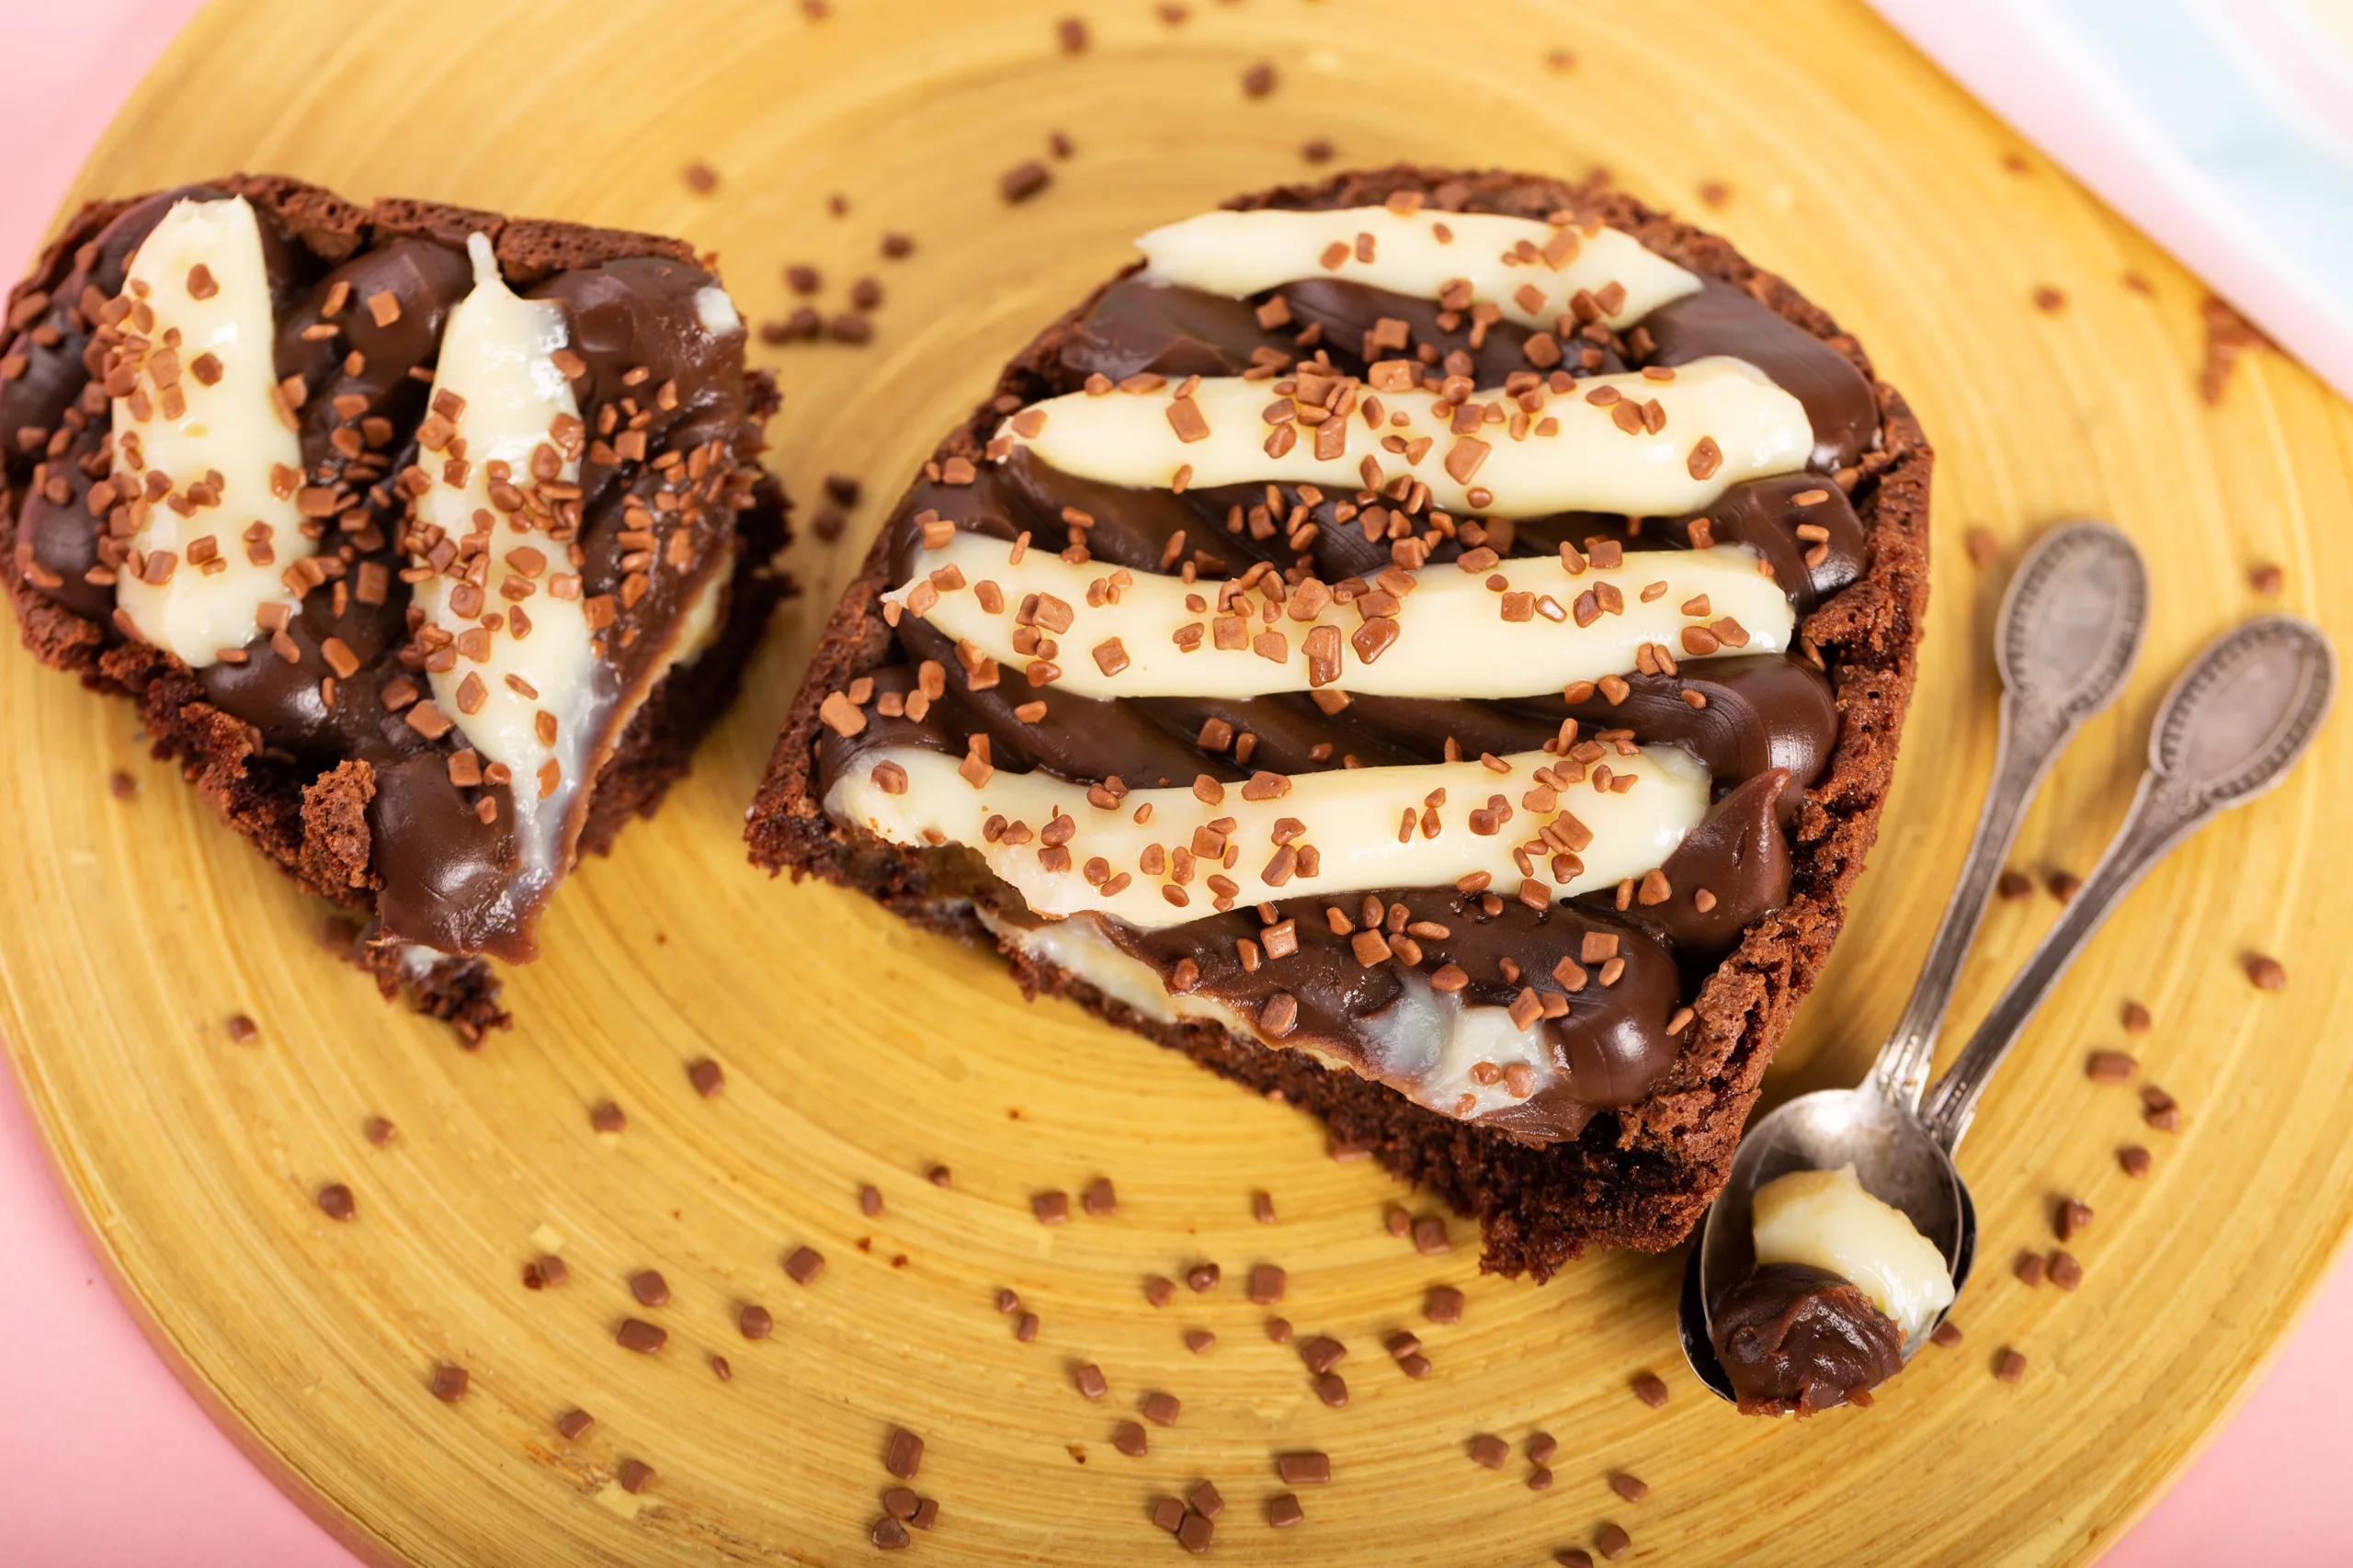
(2238,718)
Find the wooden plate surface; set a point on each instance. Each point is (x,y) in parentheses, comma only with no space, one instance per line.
(857,1052)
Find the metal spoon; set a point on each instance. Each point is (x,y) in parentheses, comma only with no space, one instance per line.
(2238,718)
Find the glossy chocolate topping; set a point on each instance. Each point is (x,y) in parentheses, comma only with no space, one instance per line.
(671,422)
(1795,1339)
(1764,725)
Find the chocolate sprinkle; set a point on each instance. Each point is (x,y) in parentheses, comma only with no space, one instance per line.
(635,1475)
(1283,1511)
(608,1118)
(2009,1366)
(650,1289)
(2134,1160)
(1306,1467)
(1023,181)
(754,1322)
(1444,1304)
(335,1201)
(645,1338)
(1651,1389)
(449,1383)
(805,1264)
(1130,1439)
(903,1453)
(707,1076)
(573,1425)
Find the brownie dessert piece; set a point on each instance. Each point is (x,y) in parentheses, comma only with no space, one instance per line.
(1430,645)
(429,540)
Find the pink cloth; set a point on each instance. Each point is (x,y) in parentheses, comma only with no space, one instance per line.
(107,1463)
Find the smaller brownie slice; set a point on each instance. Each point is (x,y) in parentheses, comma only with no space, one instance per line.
(429,540)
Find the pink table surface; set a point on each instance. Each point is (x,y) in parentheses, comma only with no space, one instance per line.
(107,1463)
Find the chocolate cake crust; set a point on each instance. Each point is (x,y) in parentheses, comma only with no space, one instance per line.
(1636,1174)
(281,770)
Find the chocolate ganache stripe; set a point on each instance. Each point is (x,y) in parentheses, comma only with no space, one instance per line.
(1763,725)
(332,682)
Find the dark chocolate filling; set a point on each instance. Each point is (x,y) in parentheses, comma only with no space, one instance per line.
(1764,725)
(441,876)
(1795,1339)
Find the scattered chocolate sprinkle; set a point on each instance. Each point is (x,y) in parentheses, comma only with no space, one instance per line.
(2134,1159)
(2028,1268)
(608,1118)
(1130,1439)
(1573,1557)
(645,1338)
(635,1475)
(898,246)
(1194,1533)
(1489,1450)
(1258,80)
(2009,1366)
(1050,1207)
(1161,1409)
(1984,547)
(1262,1208)
(889,1534)
(1267,1283)
(1158,1289)
(1070,32)
(938,1176)
(1025,1327)
(702,179)
(1444,1304)
(379,1130)
(870,1200)
(1206,1500)
(1316,150)
(1283,1511)
(1090,1381)
(2136,1018)
(546,1273)
(335,1201)
(573,1425)
(754,1322)
(1305,1467)
(1100,1200)
(2048,298)
(242,1029)
(2070,1218)
(2266,578)
(900,1502)
(1278,1330)
(1322,1354)
(927,1514)
(850,328)
(1946,1335)
(122,784)
(1203,1276)
(2064,885)
(1540,1479)
(705,1076)
(650,1289)
(1024,180)
(2110,1067)
(2266,973)
(2065,1272)
(1612,1541)
(1167,1513)
(1007,1302)
(903,1453)
(1651,1389)
(449,1383)
(1429,1235)
(2160,1110)
(1631,1487)
(805,1264)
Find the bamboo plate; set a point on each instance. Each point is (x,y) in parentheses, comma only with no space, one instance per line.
(859,1053)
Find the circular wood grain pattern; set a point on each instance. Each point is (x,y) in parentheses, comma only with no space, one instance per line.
(857,1052)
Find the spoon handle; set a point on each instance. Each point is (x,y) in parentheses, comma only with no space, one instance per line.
(2165,812)
(2032,735)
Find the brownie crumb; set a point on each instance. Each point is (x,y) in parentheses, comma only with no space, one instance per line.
(1651,1389)
(1612,1541)
(701,178)
(1316,150)
(2064,885)
(1161,1409)
(546,1273)
(937,1176)
(754,1322)
(805,1264)
(1714,193)
(2009,1366)
(242,1029)
(608,1118)
(2110,1067)
(2013,886)
(122,784)
(573,1425)
(335,1201)
(1071,33)
(1946,1336)
(1444,1304)
(2266,577)
(2134,1159)
(1632,1488)
(1258,80)
(1024,180)
(650,1289)
(903,1453)
(635,1475)
(707,1076)
(379,1130)
(449,1383)
(1130,1439)
(2136,1018)
(1283,1511)
(2266,973)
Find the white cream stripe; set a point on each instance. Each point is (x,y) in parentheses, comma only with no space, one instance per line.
(1518,465)
(1351,817)
(1452,638)
(1238,254)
